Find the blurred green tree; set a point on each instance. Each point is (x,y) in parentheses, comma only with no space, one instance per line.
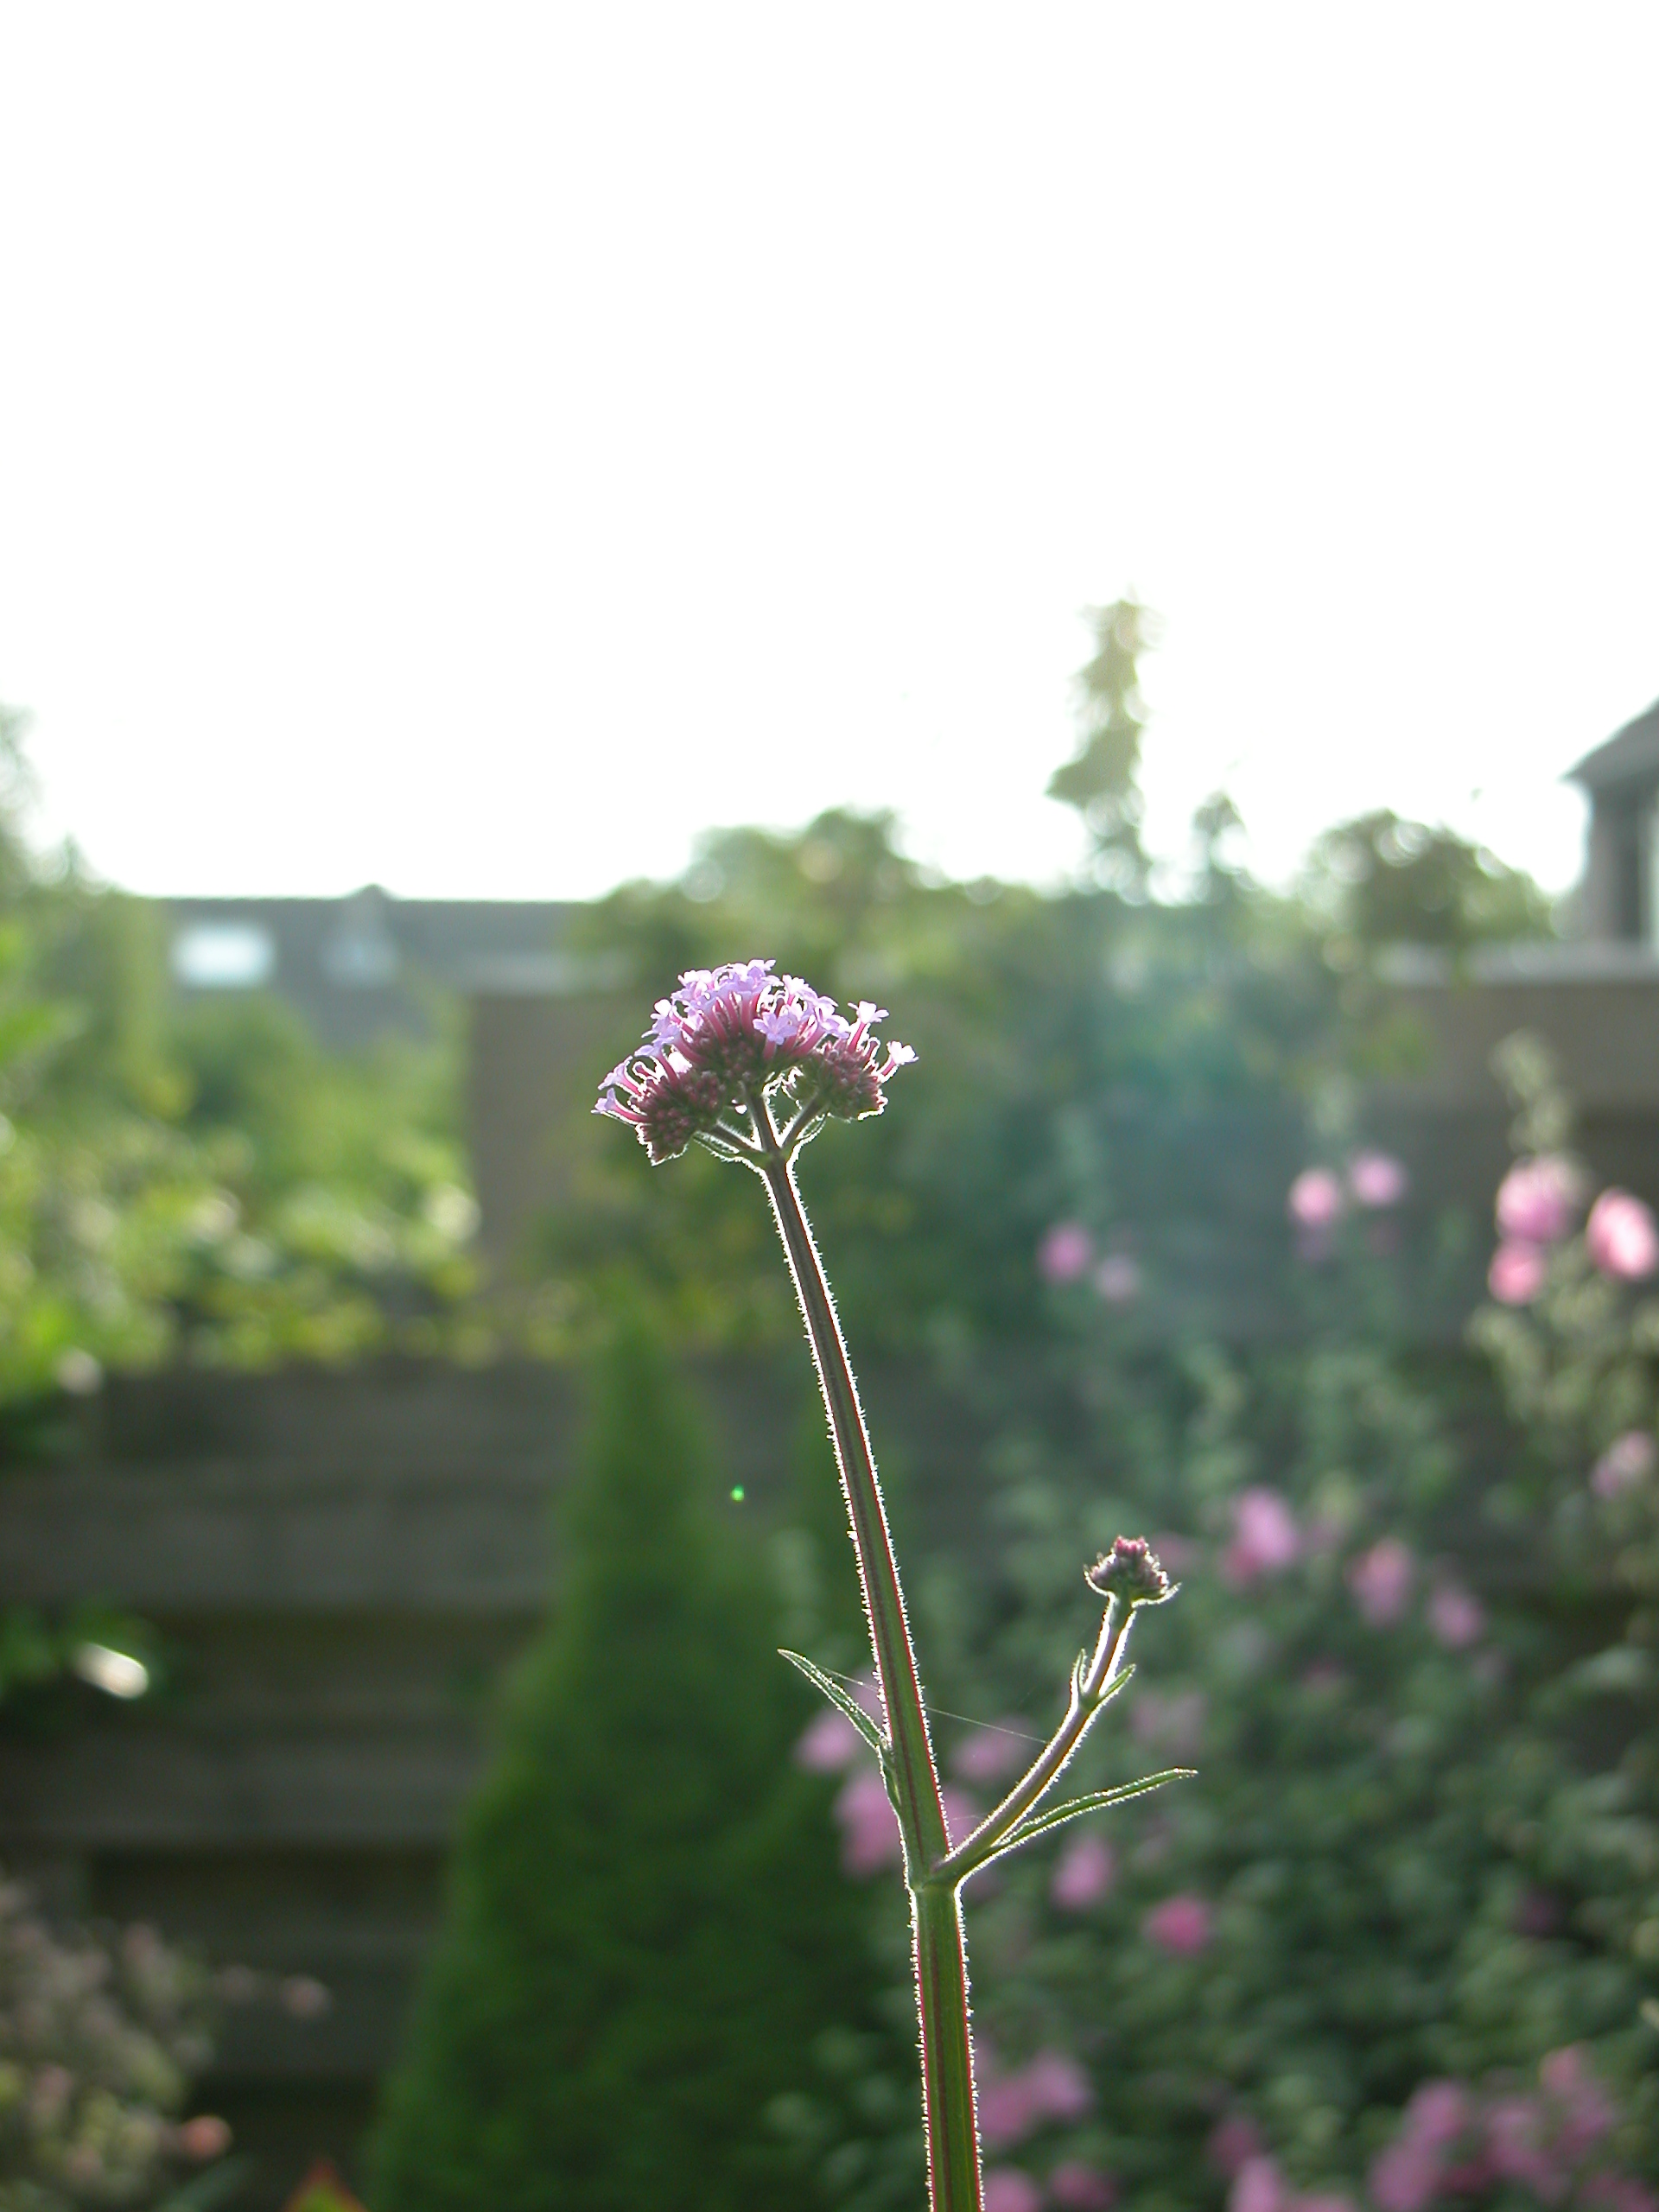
(647,1933)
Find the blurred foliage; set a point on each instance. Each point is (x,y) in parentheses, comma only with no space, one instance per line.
(100,2037)
(646,1934)
(208,1185)
(1385,881)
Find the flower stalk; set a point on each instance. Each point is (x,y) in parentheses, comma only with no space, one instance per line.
(752,1066)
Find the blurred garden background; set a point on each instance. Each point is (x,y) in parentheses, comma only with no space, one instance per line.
(407,1489)
(1123,536)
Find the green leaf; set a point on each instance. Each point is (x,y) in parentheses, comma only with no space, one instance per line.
(1096,1801)
(842,1700)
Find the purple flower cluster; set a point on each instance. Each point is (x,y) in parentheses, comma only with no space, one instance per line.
(728,1037)
(1130,1571)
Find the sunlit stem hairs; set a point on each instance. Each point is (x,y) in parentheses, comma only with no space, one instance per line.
(753,1065)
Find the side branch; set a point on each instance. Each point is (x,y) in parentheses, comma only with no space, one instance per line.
(1094,1681)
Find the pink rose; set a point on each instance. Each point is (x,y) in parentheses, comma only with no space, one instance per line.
(829,1744)
(1266,1539)
(1376,1178)
(1621,1238)
(1258,2186)
(1538,1200)
(869,1829)
(1179,1925)
(1315,1200)
(1083,1874)
(1627,1460)
(1057,2087)
(1456,1617)
(1404,2176)
(1380,1581)
(1516,1275)
(1065,1252)
(1008,2190)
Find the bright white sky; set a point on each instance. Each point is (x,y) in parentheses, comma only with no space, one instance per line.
(473,448)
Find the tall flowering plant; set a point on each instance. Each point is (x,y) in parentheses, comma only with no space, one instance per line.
(752,1066)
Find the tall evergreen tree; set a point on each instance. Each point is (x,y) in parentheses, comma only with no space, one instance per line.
(647,1932)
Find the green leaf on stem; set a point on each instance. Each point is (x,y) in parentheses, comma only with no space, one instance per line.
(1096,1801)
(842,1700)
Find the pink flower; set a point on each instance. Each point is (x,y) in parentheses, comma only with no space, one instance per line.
(1315,1200)
(1403,2177)
(1376,1178)
(1078,2188)
(1117,1280)
(1619,2193)
(1258,2186)
(1266,1539)
(1621,1238)
(1515,2128)
(1627,1460)
(1065,1252)
(1516,1275)
(1586,2115)
(829,1744)
(1008,2190)
(1439,2113)
(869,1829)
(1329,2199)
(1380,1581)
(1059,2087)
(1538,1200)
(1083,1874)
(207,2136)
(1456,1617)
(1179,1925)
(993,1754)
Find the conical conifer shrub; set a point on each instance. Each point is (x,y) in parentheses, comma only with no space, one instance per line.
(647,1933)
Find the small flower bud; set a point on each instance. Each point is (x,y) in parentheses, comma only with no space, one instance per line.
(1130,1571)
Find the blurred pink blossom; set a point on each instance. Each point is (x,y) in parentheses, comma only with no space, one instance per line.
(1065,1252)
(1403,2177)
(1584,2114)
(1060,2088)
(1258,2186)
(1179,1925)
(1621,1237)
(1516,1274)
(1117,1278)
(1627,1460)
(1327,2200)
(1438,2113)
(1514,2145)
(1082,1873)
(1538,1200)
(993,1754)
(1619,2193)
(1380,1581)
(1315,1201)
(1266,1539)
(205,2137)
(1008,2190)
(1078,2188)
(829,1744)
(869,1829)
(1376,1178)
(1050,2086)
(1456,1617)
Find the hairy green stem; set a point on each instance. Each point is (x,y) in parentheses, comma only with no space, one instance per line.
(940,1950)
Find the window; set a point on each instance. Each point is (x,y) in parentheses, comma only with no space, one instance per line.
(226,955)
